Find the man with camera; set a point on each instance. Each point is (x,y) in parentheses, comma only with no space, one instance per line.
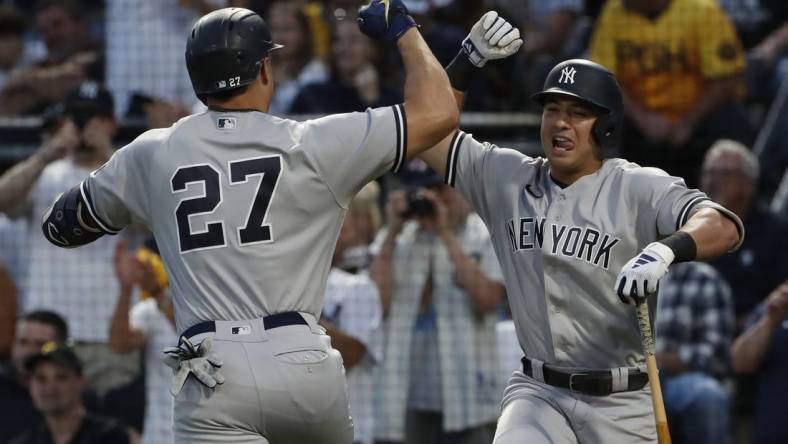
(78,285)
(440,286)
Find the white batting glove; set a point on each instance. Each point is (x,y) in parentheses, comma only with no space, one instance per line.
(491,38)
(199,361)
(640,276)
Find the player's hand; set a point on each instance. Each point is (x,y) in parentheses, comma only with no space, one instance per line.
(777,303)
(491,38)
(62,143)
(640,276)
(385,19)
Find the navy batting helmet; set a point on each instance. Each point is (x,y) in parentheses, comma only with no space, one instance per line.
(225,48)
(591,83)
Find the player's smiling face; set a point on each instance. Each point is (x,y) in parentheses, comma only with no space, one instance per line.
(567,138)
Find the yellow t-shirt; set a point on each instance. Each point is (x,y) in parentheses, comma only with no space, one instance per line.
(665,63)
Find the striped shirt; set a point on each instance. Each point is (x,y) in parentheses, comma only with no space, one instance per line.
(695,317)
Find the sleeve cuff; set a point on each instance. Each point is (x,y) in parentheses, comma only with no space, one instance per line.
(686,210)
(401,127)
(102,224)
(451,159)
(730,215)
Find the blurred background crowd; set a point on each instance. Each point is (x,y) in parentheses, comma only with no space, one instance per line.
(415,301)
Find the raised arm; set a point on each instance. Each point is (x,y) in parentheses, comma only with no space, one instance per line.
(490,38)
(430,113)
(429,103)
(750,348)
(16,183)
(122,337)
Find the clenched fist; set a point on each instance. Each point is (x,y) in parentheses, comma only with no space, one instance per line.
(491,38)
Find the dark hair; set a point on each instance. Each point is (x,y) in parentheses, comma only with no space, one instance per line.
(12,22)
(70,6)
(49,318)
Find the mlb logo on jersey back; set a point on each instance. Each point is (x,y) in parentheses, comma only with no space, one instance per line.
(567,75)
(225,123)
(242,330)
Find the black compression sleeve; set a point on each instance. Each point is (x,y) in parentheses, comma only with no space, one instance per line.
(683,246)
(461,72)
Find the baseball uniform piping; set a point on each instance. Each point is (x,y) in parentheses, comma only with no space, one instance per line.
(454,150)
(687,209)
(109,229)
(401,124)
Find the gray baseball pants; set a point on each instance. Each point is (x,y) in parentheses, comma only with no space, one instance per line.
(283,385)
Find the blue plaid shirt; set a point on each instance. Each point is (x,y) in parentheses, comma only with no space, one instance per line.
(695,317)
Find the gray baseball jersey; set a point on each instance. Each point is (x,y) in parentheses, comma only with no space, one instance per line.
(561,248)
(246,207)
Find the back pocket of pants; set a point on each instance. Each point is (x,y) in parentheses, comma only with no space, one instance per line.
(307,356)
(315,380)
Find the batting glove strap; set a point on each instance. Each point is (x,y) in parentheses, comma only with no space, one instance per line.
(640,276)
(385,20)
(491,38)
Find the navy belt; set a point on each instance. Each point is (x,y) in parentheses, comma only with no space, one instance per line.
(593,382)
(269,322)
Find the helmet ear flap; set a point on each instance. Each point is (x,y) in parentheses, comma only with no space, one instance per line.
(606,131)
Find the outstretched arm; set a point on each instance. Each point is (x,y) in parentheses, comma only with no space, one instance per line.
(491,38)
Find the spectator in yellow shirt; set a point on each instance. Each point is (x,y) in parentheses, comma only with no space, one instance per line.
(681,67)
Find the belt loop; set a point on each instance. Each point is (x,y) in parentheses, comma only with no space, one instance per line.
(536,369)
(312,322)
(620,379)
(259,327)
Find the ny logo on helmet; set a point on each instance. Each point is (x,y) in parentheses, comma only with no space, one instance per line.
(567,75)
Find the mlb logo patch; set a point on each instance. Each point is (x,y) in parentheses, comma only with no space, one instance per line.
(241,330)
(225,123)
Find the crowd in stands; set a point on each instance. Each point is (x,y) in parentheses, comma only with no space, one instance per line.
(415,300)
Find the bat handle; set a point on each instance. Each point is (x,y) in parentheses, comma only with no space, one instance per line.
(646,335)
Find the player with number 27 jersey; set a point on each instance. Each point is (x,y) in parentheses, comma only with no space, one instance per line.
(223,182)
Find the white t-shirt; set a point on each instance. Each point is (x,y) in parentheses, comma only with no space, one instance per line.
(352,304)
(77,283)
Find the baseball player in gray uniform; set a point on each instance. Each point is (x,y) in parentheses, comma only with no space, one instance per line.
(246,208)
(576,235)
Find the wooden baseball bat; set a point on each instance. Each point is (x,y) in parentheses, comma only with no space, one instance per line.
(647,337)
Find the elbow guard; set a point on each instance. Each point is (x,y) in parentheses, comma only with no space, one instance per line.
(68,223)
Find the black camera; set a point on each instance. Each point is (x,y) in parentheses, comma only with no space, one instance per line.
(418,205)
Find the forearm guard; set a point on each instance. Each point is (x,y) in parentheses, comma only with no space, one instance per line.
(68,223)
